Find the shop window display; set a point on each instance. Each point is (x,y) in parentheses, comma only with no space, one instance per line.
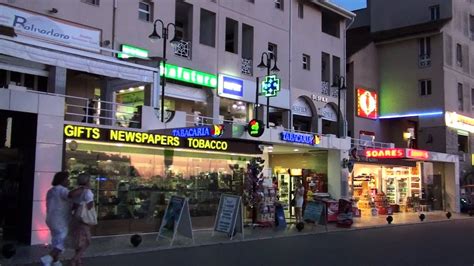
(133,184)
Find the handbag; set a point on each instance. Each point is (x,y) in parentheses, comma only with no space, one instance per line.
(85,215)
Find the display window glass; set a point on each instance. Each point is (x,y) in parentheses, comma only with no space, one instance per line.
(132,184)
(234,111)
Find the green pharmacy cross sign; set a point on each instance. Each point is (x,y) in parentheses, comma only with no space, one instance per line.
(270,86)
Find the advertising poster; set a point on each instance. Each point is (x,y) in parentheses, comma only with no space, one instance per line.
(172,216)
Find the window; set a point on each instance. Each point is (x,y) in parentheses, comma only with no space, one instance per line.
(434,11)
(336,69)
(463,142)
(425,87)
(459,55)
(231,35)
(300,10)
(471,26)
(184,21)
(279,4)
(306,62)
(247,41)
(425,46)
(331,24)
(207,31)
(273,49)
(145,11)
(325,67)
(91,2)
(472,97)
(460,97)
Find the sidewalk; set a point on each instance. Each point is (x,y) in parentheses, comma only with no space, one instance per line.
(114,245)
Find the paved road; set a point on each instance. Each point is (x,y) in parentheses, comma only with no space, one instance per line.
(443,243)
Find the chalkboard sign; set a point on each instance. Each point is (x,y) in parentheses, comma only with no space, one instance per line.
(315,212)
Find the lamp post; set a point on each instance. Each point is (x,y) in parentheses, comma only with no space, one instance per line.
(340,83)
(164,35)
(267,64)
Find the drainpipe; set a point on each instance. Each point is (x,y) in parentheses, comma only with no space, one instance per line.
(345,74)
(114,13)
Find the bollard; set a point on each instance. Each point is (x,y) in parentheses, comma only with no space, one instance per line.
(422,217)
(389,219)
(300,226)
(136,240)
(448,215)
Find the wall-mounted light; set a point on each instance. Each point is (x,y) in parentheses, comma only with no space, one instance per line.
(406,135)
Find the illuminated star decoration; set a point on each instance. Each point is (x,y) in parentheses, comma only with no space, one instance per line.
(270,86)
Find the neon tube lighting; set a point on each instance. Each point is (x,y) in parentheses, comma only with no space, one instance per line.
(410,115)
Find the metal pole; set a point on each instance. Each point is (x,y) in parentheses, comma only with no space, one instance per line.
(268,98)
(339,107)
(256,97)
(163,82)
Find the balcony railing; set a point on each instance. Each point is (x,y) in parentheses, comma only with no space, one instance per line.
(183,49)
(325,89)
(424,61)
(246,66)
(363,143)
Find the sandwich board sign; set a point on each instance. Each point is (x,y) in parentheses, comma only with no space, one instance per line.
(229,218)
(315,212)
(177,219)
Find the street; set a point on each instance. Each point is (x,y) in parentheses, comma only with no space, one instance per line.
(441,243)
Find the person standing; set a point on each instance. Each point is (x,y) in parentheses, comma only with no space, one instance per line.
(58,214)
(81,231)
(299,200)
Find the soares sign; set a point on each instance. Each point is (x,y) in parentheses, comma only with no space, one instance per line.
(397,153)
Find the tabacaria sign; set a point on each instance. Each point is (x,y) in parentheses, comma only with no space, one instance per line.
(50,29)
(308,139)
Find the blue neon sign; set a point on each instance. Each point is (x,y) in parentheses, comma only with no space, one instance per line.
(308,139)
(189,132)
(232,87)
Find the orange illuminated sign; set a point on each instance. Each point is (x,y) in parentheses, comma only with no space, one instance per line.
(367,104)
(397,153)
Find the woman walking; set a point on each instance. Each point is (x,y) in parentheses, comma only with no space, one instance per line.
(58,214)
(82,228)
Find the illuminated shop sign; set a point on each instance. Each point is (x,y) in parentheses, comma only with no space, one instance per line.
(134,137)
(308,139)
(230,87)
(189,75)
(129,51)
(458,121)
(190,132)
(397,153)
(271,86)
(367,104)
(255,128)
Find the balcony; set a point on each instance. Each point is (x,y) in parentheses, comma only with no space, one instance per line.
(325,89)
(246,66)
(183,49)
(424,61)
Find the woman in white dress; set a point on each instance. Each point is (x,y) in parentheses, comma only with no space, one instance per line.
(299,200)
(58,214)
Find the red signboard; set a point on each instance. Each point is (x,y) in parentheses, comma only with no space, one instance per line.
(417,154)
(367,104)
(397,153)
(385,153)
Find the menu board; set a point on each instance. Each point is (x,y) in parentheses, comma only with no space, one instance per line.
(315,212)
(226,213)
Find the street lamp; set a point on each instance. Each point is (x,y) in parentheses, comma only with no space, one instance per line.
(267,64)
(340,83)
(164,35)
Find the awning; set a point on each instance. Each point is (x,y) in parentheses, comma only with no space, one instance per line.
(55,55)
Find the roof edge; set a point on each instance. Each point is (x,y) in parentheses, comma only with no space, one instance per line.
(335,8)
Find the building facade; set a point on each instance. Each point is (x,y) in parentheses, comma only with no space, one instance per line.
(86,77)
(410,83)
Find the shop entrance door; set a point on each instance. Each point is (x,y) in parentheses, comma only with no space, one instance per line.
(17,164)
(436,191)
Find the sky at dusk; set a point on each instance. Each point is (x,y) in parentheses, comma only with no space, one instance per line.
(350,4)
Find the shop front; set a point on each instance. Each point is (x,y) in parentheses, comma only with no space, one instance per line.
(135,173)
(387,181)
